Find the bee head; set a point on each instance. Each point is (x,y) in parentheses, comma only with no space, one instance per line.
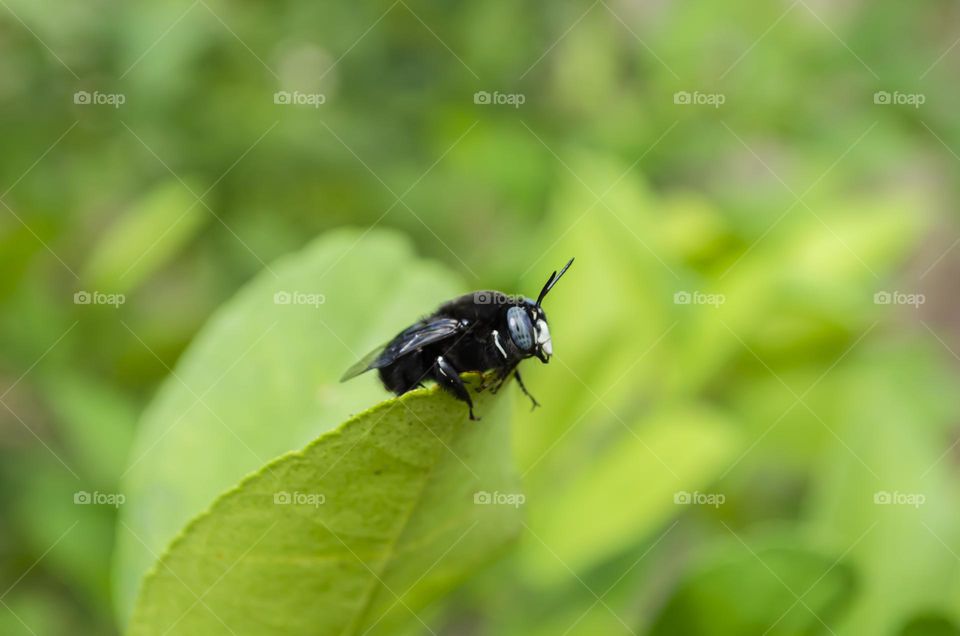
(527,322)
(528,329)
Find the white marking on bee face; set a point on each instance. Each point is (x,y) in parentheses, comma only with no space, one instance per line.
(543,337)
(496,342)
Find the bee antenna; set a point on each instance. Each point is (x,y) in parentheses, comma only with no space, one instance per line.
(554,277)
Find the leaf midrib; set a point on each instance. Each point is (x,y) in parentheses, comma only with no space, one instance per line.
(352,629)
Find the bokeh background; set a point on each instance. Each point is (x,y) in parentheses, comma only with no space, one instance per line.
(752,424)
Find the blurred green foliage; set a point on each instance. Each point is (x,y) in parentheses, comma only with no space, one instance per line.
(798,398)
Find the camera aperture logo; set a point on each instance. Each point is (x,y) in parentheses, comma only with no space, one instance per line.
(496,498)
(696,98)
(299,298)
(698,298)
(97,498)
(96,98)
(496,98)
(98,298)
(896,98)
(297,98)
(899,298)
(684,498)
(897,498)
(284,498)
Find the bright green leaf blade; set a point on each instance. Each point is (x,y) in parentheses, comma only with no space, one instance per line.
(262,379)
(357,531)
(631,486)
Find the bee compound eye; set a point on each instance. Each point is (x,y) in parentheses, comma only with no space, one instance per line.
(520,327)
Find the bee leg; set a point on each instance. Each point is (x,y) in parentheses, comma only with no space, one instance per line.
(490,380)
(447,377)
(501,376)
(523,388)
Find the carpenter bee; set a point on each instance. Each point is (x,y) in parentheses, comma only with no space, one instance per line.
(482,331)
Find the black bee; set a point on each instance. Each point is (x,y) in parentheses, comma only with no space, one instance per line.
(482,331)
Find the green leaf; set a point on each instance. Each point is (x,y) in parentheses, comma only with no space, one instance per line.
(262,379)
(357,531)
(83,405)
(778,591)
(930,624)
(147,236)
(808,273)
(889,425)
(674,451)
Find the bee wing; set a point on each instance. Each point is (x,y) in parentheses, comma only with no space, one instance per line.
(420,335)
(407,341)
(364,364)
